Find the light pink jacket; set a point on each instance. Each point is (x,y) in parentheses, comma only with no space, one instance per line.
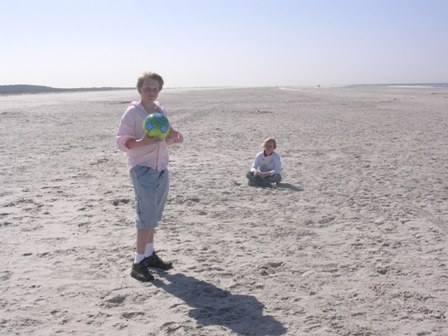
(153,156)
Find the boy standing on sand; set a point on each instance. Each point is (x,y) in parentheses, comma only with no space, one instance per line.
(267,166)
(147,160)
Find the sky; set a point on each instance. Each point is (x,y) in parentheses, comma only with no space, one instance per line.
(201,43)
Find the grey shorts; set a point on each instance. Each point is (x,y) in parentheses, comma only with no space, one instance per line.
(151,192)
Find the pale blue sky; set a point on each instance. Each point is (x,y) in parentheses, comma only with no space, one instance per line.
(85,43)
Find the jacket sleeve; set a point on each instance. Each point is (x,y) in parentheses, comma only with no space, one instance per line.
(277,164)
(256,163)
(126,131)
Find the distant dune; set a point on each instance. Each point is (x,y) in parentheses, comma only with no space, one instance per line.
(25,88)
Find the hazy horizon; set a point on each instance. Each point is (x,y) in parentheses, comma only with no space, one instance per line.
(203,43)
(441,84)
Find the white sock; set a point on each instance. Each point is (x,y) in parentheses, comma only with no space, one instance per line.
(138,258)
(149,249)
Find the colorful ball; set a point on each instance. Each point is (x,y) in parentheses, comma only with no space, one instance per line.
(156,125)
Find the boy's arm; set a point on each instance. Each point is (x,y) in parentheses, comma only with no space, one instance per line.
(174,137)
(255,164)
(277,164)
(133,143)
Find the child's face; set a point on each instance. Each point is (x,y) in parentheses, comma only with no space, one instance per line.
(150,90)
(268,148)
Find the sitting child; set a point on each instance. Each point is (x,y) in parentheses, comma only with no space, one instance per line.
(267,166)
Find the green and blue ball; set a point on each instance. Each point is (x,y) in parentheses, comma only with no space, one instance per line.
(156,125)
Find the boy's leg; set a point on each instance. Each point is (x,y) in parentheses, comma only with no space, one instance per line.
(276,178)
(163,185)
(139,269)
(258,181)
(144,236)
(252,179)
(162,195)
(144,181)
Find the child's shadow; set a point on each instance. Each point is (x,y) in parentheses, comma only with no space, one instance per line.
(214,306)
(289,186)
(279,185)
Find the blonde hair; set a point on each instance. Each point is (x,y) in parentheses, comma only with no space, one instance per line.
(269,140)
(149,75)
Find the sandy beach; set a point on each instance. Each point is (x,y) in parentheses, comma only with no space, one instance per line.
(352,242)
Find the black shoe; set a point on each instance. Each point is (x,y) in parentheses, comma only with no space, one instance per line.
(141,273)
(155,262)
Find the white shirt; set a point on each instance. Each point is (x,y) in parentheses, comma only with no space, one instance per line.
(270,163)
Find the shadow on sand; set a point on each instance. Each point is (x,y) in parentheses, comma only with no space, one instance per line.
(211,305)
(279,186)
(289,186)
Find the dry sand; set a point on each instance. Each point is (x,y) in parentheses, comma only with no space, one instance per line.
(353,242)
